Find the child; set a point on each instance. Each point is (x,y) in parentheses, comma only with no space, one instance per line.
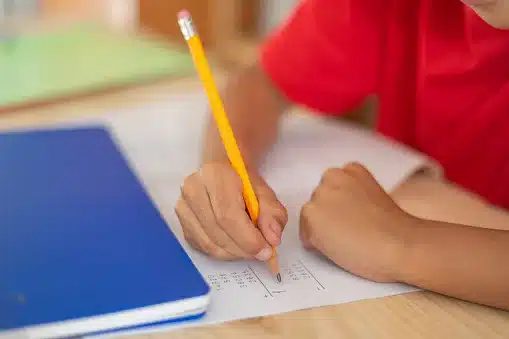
(441,73)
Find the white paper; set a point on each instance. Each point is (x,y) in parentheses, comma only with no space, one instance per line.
(162,141)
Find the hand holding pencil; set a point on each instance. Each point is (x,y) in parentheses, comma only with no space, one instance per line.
(225,211)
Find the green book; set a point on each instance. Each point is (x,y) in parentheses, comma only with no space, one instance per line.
(81,59)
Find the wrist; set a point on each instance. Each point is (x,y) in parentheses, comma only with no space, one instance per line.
(406,240)
(214,152)
(218,154)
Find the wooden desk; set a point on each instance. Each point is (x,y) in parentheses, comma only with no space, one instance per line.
(414,315)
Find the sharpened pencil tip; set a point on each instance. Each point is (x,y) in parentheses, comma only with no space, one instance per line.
(278,277)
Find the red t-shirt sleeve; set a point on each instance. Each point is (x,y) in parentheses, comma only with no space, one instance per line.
(326,55)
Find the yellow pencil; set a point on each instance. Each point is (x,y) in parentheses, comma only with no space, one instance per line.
(232,150)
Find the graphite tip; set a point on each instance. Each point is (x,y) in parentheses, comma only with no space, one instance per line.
(278,277)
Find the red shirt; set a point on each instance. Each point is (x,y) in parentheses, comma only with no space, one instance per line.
(441,75)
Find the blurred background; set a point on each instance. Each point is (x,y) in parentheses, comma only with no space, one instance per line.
(55,48)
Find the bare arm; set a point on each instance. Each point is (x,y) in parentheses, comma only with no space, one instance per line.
(464,262)
(254,108)
(450,256)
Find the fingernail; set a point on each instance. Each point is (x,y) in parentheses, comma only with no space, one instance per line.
(264,254)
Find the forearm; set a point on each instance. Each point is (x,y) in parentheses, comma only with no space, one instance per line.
(254,108)
(432,198)
(464,262)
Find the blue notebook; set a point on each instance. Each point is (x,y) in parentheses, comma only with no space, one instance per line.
(83,249)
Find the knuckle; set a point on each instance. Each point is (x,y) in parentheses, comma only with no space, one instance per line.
(305,212)
(189,185)
(276,209)
(192,241)
(190,179)
(356,167)
(178,207)
(331,174)
(189,238)
(220,239)
(211,249)
(194,245)
(217,253)
(179,211)
(220,178)
(262,189)
(207,172)
(223,217)
(318,193)
(206,247)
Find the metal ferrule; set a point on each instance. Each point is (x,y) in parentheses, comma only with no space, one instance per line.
(187,27)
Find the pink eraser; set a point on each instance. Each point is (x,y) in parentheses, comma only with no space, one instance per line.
(184,14)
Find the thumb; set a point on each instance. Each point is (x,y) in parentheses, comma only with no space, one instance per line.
(273,216)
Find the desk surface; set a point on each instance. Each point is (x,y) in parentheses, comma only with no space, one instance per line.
(413,315)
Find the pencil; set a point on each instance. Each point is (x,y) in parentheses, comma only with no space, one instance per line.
(232,150)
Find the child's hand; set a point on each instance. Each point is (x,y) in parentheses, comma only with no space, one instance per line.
(352,221)
(213,216)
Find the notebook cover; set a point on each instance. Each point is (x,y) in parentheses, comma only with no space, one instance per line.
(82,58)
(79,236)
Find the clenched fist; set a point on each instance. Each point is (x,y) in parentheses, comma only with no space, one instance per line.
(214,219)
(353,222)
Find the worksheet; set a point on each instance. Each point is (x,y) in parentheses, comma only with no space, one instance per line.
(246,289)
(162,142)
